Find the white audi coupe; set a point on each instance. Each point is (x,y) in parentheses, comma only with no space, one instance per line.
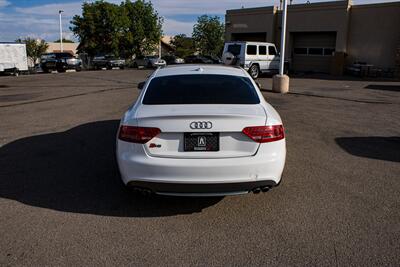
(201,130)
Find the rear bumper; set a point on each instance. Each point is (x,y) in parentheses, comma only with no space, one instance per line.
(201,189)
(155,65)
(70,66)
(207,175)
(116,64)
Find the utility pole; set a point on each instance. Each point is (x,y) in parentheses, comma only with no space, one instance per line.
(61,41)
(283,37)
(159,49)
(280,83)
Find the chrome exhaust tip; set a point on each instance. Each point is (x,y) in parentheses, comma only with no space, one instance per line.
(265,189)
(256,190)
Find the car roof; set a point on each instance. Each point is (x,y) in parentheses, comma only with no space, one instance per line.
(199,69)
(250,43)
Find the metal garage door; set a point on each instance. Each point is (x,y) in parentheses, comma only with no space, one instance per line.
(312,51)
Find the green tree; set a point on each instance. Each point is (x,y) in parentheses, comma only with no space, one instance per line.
(99,28)
(34,48)
(123,30)
(64,41)
(183,45)
(142,27)
(208,34)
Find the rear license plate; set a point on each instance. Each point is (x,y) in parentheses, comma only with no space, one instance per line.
(201,142)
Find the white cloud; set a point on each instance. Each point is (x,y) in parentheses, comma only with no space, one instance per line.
(13,26)
(174,27)
(70,9)
(164,7)
(198,7)
(4,3)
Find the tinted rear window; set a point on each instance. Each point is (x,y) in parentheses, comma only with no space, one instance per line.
(200,89)
(234,49)
(63,55)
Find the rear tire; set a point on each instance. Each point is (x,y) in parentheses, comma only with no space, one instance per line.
(254,71)
(46,70)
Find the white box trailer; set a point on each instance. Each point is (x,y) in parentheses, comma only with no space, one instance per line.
(13,58)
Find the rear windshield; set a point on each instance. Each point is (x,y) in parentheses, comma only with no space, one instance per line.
(234,49)
(63,55)
(200,89)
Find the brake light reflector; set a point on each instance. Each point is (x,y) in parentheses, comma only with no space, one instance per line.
(136,134)
(264,134)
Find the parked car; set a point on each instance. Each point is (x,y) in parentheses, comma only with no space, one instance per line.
(108,62)
(254,57)
(171,60)
(60,62)
(148,62)
(201,130)
(214,59)
(195,59)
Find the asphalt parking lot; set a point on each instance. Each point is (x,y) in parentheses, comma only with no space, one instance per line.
(61,202)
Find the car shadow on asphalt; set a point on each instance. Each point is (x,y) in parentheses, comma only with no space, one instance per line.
(375,147)
(76,171)
(382,87)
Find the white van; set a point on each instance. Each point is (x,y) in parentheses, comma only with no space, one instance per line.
(255,57)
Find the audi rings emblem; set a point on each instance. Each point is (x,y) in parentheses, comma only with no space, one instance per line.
(200,125)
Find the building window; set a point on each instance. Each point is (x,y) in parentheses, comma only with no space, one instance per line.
(316,51)
(252,50)
(313,51)
(272,50)
(262,50)
(300,51)
(329,51)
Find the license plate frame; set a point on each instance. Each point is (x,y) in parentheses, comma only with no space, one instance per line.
(201,142)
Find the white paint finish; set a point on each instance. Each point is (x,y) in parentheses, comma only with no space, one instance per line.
(136,165)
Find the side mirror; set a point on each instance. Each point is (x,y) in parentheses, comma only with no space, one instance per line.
(140,85)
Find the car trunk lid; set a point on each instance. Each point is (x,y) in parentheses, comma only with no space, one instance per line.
(210,122)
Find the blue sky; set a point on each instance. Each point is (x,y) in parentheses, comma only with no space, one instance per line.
(39,18)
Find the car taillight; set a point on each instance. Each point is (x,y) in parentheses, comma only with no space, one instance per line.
(136,134)
(264,134)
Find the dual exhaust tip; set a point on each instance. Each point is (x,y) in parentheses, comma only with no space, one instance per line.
(142,191)
(261,189)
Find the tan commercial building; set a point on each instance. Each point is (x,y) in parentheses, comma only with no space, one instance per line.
(325,37)
(67,47)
